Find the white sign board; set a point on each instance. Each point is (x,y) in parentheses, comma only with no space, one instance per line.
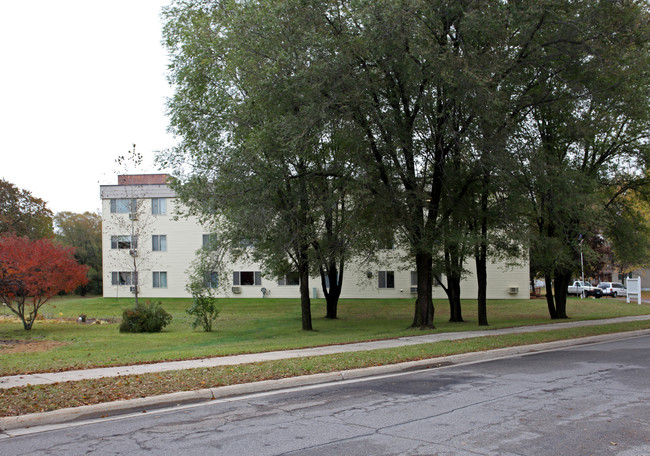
(634,288)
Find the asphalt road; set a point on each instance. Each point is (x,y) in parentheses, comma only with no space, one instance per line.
(585,400)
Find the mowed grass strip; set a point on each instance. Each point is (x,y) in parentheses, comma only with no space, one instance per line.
(59,343)
(42,398)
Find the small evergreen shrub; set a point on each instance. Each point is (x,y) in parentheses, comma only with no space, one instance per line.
(145,318)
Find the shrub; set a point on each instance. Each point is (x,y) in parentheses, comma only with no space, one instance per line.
(148,317)
(205,311)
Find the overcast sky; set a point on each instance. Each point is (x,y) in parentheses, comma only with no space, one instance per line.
(80,82)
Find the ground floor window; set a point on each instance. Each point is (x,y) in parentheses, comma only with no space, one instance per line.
(386,279)
(247,278)
(211,280)
(293,278)
(327,281)
(122,278)
(160,279)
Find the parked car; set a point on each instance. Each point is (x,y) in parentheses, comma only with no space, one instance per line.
(613,289)
(579,287)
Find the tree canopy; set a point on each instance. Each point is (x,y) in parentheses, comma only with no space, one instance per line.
(482,118)
(33,271)
(84,233)
(23,214)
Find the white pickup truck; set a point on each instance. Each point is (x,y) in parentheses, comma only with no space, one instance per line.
(579,287)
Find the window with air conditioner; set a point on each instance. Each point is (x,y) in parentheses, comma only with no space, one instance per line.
(414,282)
(123,205)
(122,278)
(247,278)
(127,242)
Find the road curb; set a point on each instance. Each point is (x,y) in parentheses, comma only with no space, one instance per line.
(143,405)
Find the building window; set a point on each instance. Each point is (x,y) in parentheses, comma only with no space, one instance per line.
(386,279)
(124,242)
(386,242)
(211,280)
(159,279)
(159,206)
(247,278)
(210,241)
(293,278)
(159,242)
(122,278)
(327,280)
(123,205)
(414,278)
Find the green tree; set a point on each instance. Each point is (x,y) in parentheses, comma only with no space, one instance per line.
(23,214)
(628,231)
(584,142)
(84,233)
(269,171)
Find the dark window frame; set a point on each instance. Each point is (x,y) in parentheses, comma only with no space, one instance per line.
(386,279)
(245,280)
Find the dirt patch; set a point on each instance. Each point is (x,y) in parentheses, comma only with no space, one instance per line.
(28,346)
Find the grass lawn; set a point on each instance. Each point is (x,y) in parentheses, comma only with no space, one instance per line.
(58,342)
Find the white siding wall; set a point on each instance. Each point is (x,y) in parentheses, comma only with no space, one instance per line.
(185,237)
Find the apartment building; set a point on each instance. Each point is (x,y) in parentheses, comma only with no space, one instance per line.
(141,231)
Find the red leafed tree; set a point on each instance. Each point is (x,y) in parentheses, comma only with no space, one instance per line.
(32,271)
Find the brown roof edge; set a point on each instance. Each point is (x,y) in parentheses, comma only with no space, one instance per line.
(142,179)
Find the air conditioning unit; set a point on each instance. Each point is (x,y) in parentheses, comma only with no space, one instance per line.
(133,252)
(414,290)
(236,290)
(133,289)
(133,216)
(513,290)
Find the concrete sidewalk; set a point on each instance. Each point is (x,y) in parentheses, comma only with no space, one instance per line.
(76,375)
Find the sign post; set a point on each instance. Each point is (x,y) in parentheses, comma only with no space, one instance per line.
(634,288)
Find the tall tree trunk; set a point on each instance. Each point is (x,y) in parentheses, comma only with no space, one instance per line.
(481,277)
(332,295)
(481,255)
(453,267)
(424,310)
(550,302)
(453,295)
(305,301)
(561,283)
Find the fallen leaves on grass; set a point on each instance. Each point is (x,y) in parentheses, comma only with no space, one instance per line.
(27,346)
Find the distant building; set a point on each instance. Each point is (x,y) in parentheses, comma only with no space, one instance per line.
(139,227)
